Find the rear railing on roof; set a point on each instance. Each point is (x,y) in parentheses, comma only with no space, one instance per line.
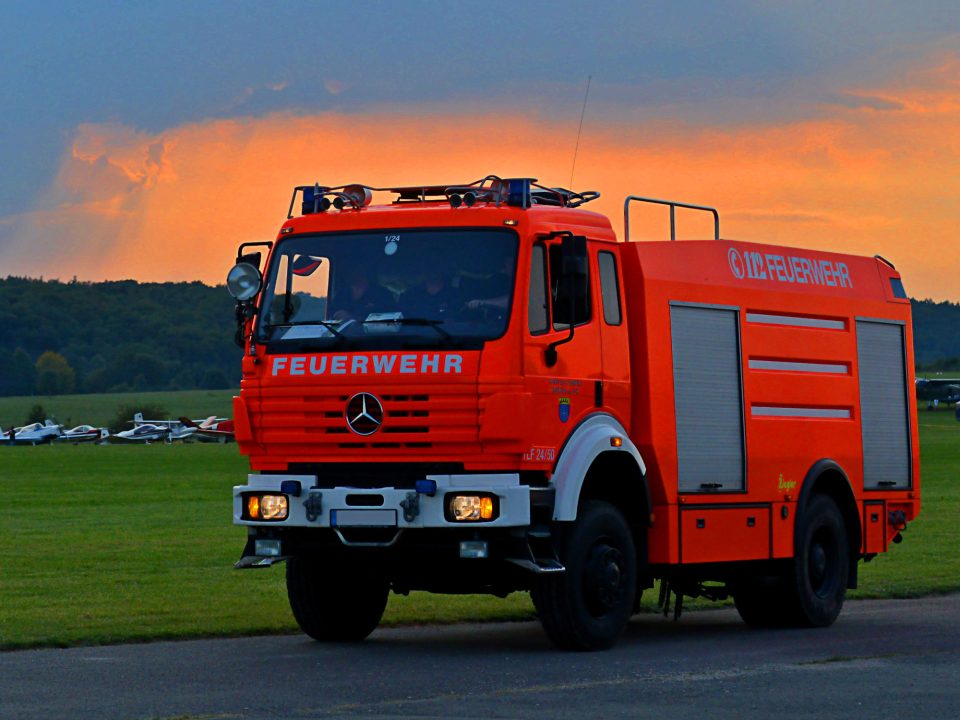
(673,204)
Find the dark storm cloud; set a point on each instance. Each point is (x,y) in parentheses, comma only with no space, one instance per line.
(156,65)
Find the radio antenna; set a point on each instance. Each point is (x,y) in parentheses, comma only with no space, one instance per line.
(576,147)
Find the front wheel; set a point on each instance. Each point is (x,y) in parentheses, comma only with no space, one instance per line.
(588,606)
(765,602)
(336,601)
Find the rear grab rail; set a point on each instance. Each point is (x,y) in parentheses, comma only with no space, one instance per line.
(673,204)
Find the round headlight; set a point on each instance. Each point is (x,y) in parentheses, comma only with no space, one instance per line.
(243,281)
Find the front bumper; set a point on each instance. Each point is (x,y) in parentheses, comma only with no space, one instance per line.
(386,507)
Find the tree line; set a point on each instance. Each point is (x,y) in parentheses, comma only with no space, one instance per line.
(80,337)
(121,336)
(936,335)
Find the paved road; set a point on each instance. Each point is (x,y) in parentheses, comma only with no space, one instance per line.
(883,659)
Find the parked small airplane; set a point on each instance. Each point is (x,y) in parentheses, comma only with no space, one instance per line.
(176,430)
(33,434)
(84,433)
(213,429)
(145,433)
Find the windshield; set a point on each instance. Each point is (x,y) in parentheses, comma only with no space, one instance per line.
(397,288)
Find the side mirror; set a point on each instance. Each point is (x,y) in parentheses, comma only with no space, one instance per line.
(254,257)
(574,254)
(243,282)
(574,278)
(251,259)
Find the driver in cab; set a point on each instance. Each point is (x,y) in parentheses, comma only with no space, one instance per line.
(434,299)
(493,293)
(360,297)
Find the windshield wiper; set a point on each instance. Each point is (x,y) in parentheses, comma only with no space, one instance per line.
(332,327)
(415,322)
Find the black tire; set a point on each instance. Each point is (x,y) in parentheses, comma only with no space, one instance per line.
(765,602)
(811,592)
(336,601)
(821,565)
(588,606)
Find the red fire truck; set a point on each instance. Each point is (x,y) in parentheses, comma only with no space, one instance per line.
(479,389)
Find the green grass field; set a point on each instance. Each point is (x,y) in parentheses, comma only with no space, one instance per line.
(927,561)
(105,544)
(99,410)
(110,544)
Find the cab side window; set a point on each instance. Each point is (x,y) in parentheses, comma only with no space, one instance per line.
(537,298)
(561,288)
(609,288)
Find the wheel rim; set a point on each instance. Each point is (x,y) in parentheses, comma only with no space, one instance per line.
(822,563)
(604,578)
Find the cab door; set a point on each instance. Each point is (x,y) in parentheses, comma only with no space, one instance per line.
(563,391)
(614,392)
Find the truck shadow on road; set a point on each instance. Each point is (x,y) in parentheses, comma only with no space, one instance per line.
(646,629)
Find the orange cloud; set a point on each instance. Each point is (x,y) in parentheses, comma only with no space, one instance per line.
(877,174)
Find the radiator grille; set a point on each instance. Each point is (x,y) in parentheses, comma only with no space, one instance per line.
(315,420)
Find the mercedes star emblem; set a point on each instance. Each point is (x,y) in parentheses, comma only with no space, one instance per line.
(364,414)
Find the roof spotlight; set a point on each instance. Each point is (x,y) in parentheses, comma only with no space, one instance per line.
(338,202)
(324,204)
(359,195)
(455,200)
(469,198)
(243,281)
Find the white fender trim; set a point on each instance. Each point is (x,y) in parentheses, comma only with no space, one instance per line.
(587,441)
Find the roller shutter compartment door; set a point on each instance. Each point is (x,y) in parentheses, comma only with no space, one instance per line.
(883,405)
(708,398)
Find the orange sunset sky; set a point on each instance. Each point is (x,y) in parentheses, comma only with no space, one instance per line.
(859,153)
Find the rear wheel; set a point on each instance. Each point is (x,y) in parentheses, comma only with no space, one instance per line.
(811,592)
(587,607)
(336,601)
(821,565)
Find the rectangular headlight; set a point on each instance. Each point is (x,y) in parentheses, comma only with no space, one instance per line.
(265,507)
(479,507)
(273,507)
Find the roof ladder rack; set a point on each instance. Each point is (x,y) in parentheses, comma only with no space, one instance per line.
(673,207)
(518,192)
